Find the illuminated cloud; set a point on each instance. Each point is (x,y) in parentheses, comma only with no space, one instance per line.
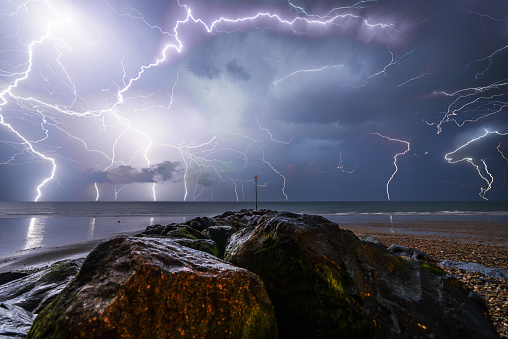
(125,174)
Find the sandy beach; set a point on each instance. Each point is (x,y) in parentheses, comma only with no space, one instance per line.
(481,242)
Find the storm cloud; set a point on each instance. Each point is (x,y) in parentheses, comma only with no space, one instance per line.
(125,174)
(315,98)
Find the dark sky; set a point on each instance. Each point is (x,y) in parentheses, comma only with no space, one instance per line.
(323,100)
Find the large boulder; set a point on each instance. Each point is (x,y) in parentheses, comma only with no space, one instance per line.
(326,283)
(33,292)
(154,288)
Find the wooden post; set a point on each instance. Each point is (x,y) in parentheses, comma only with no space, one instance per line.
(256,183)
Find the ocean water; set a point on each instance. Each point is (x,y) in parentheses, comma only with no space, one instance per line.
(26,226)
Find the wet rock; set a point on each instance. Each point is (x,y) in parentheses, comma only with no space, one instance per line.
(35,291)
(371,239)
(410,253)
(182,231)
(154,288)
(220,235)
(498,273)
(183,235)
(200,223)
(204,245)
(172,231)
(14,321)
(324,282)
(10,276)
(235,240)
(244,218)
(155,230)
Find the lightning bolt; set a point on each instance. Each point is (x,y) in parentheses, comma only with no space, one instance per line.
(307,71)
(487,177)
(8,92)
(490,104)
(395,158)
(112,117)
(280,174)
(271,136)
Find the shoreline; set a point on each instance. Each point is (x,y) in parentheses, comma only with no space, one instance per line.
(478,239)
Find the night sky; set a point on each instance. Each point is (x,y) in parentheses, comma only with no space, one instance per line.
(187,101)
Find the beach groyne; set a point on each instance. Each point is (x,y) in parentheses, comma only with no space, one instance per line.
(302,275)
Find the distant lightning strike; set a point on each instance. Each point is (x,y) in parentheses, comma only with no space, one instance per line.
(491,104)
(489,58)
(271,136)
(307,71)
(395,60)
(280,174)
(396,156)
(487,176)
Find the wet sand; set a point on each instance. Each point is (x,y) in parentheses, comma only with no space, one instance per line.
(36,258)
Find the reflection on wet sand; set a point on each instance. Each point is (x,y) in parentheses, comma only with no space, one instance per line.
(91,228)
(35,233)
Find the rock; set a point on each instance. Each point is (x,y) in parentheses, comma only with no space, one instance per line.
(410,252)
(153,230)
(243,218)
(204,245)
(220,235)
(371,239)
(498,273)
(183,235)
(14,321)
(10,276)
(200,223)
(154,288)
(324,282)
(182,231)
(172,231)
(235,240)
(35,291)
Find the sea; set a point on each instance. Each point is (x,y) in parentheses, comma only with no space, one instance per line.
(28,226)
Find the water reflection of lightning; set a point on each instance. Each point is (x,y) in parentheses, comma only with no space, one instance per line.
(487,176)
(395,157)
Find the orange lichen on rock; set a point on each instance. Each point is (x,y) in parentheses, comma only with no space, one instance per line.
(159,289)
